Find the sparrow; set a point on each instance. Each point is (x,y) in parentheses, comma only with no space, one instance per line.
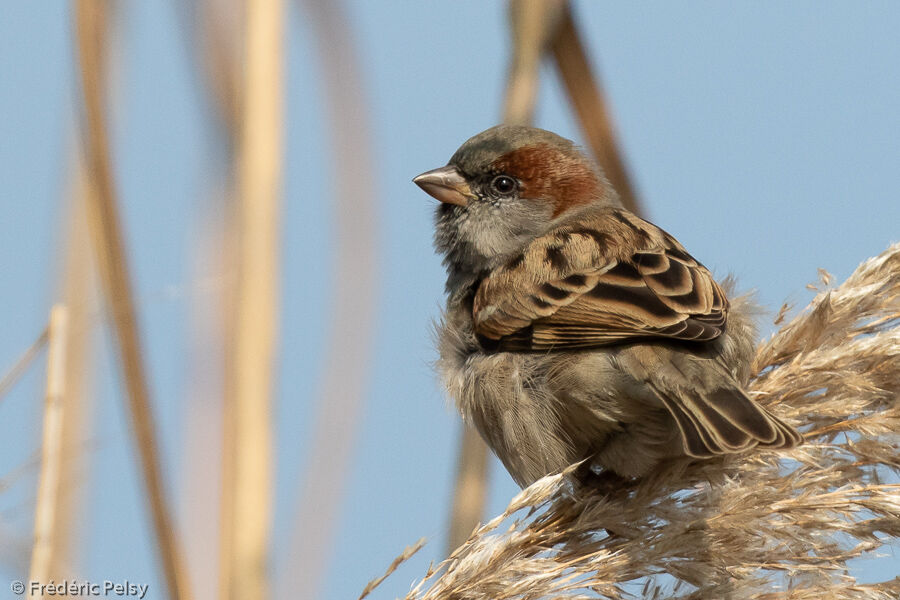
(575,330)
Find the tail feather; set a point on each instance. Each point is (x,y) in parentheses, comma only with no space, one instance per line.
(725,421)
(696,441)
(743,413)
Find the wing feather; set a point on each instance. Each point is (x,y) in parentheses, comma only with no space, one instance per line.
(611,278)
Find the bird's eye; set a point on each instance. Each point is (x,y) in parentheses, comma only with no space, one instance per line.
(504,185)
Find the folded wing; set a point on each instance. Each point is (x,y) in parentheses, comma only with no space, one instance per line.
(608,279)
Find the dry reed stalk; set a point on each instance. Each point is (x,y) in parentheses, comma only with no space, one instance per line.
(45,514)
(90,26)
(207,502)
(532,24)
(590,107)
(220,45)
(77,291)
(248,485)
(201,483)
(763,525)
(20,367)
(404,556)
(348,355)
(228,445)
(469,488)
(213,37)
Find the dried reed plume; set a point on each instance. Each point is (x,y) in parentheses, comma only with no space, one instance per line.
(762,525)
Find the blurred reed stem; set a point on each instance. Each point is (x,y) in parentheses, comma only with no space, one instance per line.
(531,23)
(45,513)
(470,487)
(590,107)
(90,25)
(247,480)
(352,306)
(19,368)
(201,472)
(77,288)
(220,45)
(214,38)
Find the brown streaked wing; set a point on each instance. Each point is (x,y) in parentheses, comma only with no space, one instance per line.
(574,289)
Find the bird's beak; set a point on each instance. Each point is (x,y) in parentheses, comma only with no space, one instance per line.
(446,184)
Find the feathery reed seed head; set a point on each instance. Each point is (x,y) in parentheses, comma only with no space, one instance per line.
(763,525)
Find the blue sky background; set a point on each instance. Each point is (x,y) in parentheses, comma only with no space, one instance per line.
(765,136)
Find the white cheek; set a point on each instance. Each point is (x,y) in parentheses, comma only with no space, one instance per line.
(495,235)
(497,230)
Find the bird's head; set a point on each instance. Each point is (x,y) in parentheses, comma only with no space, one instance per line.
(504,187)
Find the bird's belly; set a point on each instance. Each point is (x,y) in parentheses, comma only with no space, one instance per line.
(505,395)
(532,427)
